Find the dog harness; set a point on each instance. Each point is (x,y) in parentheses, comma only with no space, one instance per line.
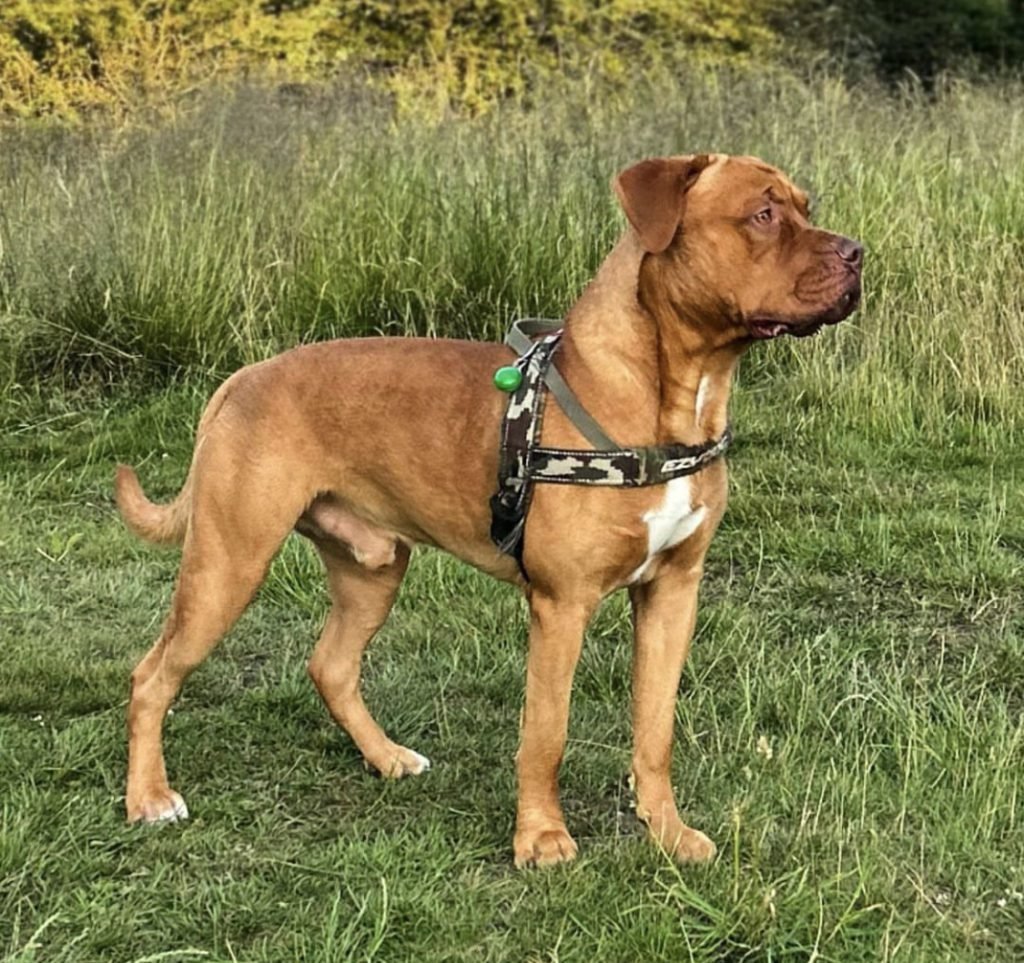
(522,461)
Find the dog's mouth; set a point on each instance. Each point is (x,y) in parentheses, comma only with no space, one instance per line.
(764,329)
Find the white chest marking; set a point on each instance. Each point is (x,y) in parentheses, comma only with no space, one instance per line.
(671,522)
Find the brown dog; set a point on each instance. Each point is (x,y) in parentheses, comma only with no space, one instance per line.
(370,446)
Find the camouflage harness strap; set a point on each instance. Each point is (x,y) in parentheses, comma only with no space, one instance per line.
(522,461)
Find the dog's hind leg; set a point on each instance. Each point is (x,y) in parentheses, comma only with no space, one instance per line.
(362,598)
(232,536)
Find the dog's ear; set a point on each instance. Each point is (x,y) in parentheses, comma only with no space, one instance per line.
(652,194)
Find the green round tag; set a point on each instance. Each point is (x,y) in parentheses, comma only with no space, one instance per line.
(508,378)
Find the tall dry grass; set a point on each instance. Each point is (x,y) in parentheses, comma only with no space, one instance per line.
(269,216)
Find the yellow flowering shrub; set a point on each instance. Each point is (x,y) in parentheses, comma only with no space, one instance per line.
(67,57)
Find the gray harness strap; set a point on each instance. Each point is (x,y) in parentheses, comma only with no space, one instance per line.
(522,461)
(520,339)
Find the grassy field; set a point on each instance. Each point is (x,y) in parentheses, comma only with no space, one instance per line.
(850,726)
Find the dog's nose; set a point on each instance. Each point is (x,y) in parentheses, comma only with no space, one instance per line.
(851,252)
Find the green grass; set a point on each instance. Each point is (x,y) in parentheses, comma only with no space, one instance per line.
(861,619)
(851,724)
(254,222)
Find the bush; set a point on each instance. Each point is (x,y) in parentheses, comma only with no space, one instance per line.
(66,57)
(925,37)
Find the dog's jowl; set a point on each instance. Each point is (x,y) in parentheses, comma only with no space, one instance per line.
(361,446)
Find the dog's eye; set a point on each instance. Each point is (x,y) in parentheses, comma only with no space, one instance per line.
(764,217)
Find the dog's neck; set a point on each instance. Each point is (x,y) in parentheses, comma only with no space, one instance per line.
(648,372)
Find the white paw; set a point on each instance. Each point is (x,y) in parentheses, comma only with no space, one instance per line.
(407,763)
(398,763)
(175,812)
(420,764)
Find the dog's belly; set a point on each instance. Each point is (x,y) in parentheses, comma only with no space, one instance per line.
(674,520)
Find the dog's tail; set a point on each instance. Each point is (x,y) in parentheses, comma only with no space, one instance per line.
(162,524)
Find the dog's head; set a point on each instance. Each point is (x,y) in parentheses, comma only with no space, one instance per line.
(728,239)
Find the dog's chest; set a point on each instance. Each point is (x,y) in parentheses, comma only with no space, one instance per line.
(670,522)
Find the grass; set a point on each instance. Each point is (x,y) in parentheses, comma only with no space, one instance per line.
(850,726)
(256,221)
(849,731)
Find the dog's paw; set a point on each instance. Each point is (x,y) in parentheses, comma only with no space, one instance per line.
(543,847)
(684,844)
(400,762)
(694,847)
(160,807)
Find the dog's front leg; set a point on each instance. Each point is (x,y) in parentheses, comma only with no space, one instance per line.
(664,613)
(556,637)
